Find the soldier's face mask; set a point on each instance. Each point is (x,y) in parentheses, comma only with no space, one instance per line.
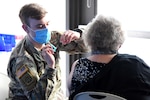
(42,36)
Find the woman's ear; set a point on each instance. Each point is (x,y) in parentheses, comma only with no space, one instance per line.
(25,28)
(119,46)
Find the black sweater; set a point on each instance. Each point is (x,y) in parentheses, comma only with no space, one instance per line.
(126,75)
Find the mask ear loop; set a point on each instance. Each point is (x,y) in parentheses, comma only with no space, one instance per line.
(30,28)
(53,47)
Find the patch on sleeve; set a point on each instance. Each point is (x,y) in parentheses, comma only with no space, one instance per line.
(26,77)
(22,70)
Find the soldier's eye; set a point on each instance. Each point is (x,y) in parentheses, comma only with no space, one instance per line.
(41,26)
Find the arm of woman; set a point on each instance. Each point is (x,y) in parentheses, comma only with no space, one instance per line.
(71,75)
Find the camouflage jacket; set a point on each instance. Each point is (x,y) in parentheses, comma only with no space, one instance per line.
(31,79)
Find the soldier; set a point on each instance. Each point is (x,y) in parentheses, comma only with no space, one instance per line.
(32,68)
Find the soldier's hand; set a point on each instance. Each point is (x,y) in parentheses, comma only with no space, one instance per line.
(47,53)
(69,36)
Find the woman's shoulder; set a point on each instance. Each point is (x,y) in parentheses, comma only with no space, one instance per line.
(128,59)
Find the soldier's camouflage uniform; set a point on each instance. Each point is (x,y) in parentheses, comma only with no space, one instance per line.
(31,79)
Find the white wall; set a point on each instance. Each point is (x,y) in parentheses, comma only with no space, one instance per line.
(133,14)
(10,22)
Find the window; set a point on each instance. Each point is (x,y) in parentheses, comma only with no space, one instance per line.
(134,16)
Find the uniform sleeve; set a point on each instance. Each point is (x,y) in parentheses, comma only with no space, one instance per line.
(75,47)
(35,87)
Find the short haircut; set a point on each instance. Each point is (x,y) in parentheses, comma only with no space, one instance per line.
(32,10)
(104,33)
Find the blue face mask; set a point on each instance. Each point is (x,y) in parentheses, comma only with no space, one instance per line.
(42,36)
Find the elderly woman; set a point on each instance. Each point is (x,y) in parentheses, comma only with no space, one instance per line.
(106,70)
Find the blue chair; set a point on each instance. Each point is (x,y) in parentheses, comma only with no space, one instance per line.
(2,44)
(7,42)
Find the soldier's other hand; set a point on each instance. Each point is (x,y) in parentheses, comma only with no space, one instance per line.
(69,36)
(47,53)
